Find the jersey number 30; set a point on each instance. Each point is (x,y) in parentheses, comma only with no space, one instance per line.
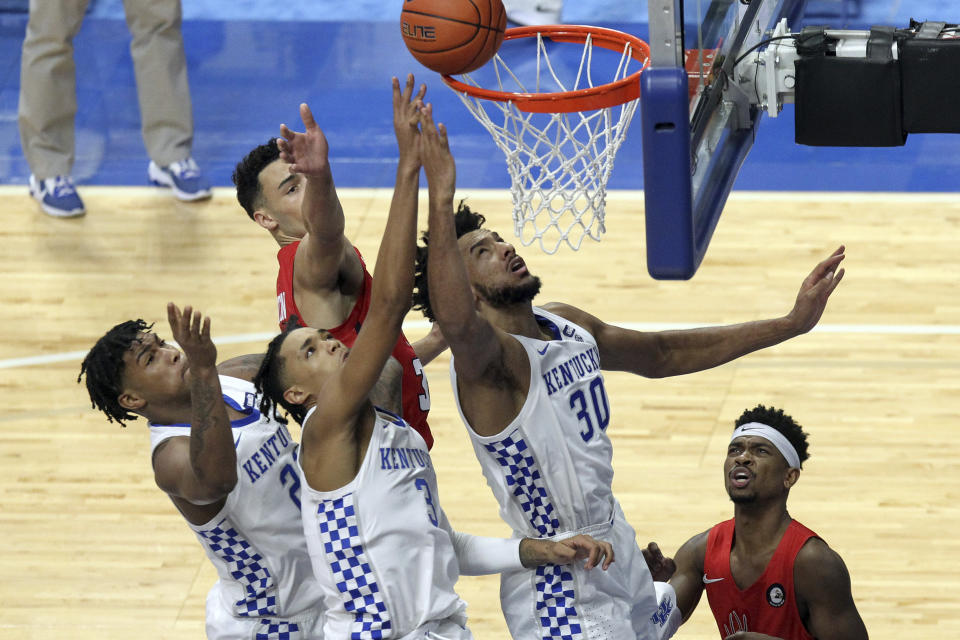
(599,405)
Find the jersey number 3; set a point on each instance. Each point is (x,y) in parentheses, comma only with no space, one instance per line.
(599,405)
(423,487)
(424,397)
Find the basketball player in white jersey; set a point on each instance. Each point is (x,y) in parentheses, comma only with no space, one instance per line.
(382,548)
(229,469)
(528,385)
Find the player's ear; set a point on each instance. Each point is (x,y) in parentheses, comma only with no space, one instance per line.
(477,300)
(790,479)
(131,401)
(265,220)
(295,395)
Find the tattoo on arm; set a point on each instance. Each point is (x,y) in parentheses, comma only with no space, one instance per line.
(204,400)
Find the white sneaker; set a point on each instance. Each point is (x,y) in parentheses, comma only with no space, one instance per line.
(184,177)
(533,12)
(57,196)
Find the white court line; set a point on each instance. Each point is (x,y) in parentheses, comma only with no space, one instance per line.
(263,338)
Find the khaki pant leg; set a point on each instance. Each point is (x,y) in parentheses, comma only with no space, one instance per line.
(160,66)
(48,86)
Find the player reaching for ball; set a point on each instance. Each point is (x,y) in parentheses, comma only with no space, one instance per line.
(381,547)
(287,188)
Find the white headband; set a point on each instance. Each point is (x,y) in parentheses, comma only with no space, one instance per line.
(776,438)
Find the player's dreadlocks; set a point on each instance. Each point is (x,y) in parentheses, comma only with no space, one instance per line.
(780,421)
(103,368)
(270,378)
(464,221)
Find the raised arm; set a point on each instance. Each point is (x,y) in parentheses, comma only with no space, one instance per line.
(687,580)
(326,259)
(204,469)
(472,339)
(823,590)
(670,353)
(390,297)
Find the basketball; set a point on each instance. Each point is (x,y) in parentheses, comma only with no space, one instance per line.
(453,36)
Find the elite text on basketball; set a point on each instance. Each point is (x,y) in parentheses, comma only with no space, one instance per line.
(418,31)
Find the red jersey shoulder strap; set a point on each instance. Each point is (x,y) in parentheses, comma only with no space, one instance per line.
(716,560)
(793,540)
(286,304)
(286,301)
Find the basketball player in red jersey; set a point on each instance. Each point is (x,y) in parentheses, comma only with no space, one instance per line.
(766,575)
(286,187)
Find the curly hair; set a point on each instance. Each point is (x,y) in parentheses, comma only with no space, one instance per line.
(464,221)
(780,421)
(270,379)
(246,176)
(103,367)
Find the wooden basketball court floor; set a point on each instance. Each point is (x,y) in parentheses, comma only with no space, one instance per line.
(91,549)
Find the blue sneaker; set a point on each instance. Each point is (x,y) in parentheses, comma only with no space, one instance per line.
(184,177)
(57,196)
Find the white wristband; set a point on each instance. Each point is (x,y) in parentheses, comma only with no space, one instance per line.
(667,618)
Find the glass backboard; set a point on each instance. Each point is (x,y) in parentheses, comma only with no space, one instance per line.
(697,124)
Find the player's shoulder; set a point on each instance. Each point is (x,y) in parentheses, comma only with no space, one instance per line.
(818,569)
(242,367)
(695,548)
(572,314)
(816,553)
(332,267)
(560,308)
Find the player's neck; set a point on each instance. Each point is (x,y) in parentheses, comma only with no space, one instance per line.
(759,526)
(170,413)
(284,239)
(517,319)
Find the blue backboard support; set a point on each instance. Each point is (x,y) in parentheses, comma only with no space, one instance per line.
(696,128)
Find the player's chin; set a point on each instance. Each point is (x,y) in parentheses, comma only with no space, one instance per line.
(740,496)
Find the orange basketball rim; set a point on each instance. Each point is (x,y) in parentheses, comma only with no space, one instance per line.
(599,97)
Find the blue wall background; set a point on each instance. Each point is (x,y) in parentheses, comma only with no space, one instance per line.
(252,62)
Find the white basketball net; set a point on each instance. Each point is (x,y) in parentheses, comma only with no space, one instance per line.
(559,163)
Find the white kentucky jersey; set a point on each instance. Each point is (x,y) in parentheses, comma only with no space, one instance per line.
(381,548)
(551,471)
(256,540)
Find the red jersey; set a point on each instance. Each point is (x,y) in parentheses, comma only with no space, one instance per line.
(416,394)
(768,605)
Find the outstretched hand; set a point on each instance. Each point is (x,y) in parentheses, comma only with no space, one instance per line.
(308,152)
(438,163)
(535,552)
(192,332)
(661,568)
(406,118)
(815,291)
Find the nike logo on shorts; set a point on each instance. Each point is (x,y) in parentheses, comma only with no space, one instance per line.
(707,580)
